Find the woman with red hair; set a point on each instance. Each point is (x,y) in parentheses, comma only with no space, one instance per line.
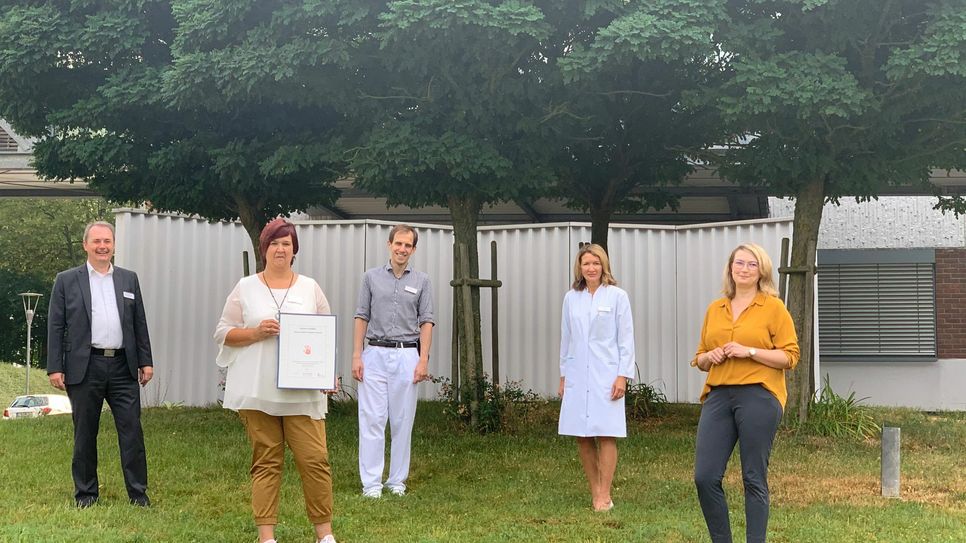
(274,417)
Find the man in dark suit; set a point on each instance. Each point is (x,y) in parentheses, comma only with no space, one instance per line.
(98,349)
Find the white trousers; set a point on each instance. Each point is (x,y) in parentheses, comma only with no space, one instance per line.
(386,392)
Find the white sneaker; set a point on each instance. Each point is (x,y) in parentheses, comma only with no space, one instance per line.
(327,539)
(372,493)
(397,490)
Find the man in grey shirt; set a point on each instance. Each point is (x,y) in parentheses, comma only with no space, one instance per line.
(394,325)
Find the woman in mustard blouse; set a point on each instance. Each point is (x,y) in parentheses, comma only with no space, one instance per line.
(747,342)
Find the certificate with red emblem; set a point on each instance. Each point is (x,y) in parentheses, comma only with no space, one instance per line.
(307,351)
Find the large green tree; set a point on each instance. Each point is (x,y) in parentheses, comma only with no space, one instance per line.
(132,97)
(452,90)
(41,237)
(840,98)
(626,127)
(13,326)
(38,239)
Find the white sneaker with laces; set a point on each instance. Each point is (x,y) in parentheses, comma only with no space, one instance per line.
(374,493)
(397,490)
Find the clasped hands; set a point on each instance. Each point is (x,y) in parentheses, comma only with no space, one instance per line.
(726,351)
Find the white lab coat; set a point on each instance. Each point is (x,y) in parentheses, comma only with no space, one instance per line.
(596,346)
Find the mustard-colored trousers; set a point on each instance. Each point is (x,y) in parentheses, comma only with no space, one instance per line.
(306,438)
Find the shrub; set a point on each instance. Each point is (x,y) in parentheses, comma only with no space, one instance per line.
(343,401)
(834,416)
(505,408)
(643,401)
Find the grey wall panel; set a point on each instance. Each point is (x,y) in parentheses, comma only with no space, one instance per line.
(534,264)
(643,262)
(938,385)
(333,255)
(186,268)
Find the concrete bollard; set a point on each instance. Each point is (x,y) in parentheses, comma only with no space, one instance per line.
(890,462)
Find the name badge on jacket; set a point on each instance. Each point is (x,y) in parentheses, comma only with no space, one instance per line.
(411,290)
(603,309)
(128,295)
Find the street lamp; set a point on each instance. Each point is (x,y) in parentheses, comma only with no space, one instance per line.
(30,301)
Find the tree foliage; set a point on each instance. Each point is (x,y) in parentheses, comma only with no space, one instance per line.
(452,91)
(624,121)
(38,238)
(13,325)
(842,98)
(135,98)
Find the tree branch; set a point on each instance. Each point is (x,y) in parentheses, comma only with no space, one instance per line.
(933,151)
(941,121)
(427,98)
(632,92)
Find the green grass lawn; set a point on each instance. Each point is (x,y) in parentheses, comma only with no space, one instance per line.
(523,487)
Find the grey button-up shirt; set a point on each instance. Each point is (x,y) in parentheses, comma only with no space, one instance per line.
(395,308)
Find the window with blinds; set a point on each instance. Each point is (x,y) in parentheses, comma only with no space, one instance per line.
(877,305)
(7,143)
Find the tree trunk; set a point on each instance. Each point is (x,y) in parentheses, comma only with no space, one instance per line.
(600,224)
(465,212)
(809,203)
(253,219)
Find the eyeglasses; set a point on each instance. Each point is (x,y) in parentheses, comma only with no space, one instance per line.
(751,264)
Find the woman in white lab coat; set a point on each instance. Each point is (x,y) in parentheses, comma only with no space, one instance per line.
(596,361)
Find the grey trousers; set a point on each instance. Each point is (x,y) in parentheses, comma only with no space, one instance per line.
(748,415)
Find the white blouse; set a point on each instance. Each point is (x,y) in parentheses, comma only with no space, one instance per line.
(253,369)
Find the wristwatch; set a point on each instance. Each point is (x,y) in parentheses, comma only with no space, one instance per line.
(752,352)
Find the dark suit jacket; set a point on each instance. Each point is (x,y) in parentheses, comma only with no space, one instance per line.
(69,323)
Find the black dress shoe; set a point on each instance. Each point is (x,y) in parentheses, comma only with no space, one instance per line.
(143,501)
(84,503)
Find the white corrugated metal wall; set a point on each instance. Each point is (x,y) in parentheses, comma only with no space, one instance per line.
(534,266)
(188,266)
(644,265)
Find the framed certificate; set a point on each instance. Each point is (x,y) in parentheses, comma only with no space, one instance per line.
(306,351)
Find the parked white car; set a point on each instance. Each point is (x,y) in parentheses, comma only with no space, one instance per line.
(37,405)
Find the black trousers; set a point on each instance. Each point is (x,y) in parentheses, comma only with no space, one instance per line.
(108,379)
(748,415)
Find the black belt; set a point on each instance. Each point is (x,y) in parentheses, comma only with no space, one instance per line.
(393,344)
(107,353)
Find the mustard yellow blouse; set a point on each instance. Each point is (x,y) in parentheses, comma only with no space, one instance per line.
(765,324)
